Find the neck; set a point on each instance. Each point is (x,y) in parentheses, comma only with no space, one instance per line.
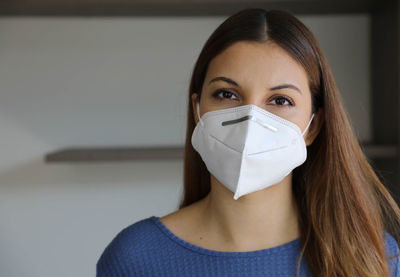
(259,220)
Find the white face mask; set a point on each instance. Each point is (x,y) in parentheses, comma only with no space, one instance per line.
(248,148)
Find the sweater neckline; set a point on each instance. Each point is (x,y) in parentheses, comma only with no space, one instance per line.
(288,246)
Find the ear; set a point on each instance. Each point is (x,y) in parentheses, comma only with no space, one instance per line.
(194,97)
(315,126)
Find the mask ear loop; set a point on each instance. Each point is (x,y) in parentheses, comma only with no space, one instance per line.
(308,125)
(198,112)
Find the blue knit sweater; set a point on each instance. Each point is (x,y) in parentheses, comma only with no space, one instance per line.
(149,248)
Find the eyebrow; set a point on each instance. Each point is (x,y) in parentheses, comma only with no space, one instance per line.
(232,82)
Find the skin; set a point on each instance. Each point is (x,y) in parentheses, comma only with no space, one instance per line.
(265,218)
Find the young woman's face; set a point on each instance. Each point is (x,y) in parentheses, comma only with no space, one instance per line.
(262,74)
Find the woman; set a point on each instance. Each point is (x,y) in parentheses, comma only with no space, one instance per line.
(275,182)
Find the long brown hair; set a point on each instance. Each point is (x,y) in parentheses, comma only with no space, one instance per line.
(344,208)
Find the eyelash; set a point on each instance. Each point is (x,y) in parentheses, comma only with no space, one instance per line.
(217,92)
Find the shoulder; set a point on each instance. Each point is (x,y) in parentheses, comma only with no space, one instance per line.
(392,250)
(127,247)
(136,236)
(391,245)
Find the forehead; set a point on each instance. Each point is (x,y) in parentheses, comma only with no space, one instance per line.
(253,61)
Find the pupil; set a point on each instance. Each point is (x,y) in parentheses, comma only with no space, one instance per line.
(226,94)
(280,101)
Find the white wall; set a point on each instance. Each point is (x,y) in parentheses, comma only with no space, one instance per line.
(345,42)
(111,81)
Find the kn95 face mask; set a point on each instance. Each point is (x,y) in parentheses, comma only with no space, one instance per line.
(248,148)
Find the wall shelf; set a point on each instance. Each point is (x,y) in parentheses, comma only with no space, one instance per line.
(108,154)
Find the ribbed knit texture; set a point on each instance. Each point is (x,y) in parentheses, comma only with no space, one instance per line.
(149,248)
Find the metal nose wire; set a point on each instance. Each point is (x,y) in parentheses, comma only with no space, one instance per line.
(308,125)
(252,118)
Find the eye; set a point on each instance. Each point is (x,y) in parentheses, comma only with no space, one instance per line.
(280,100)
(221,94)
